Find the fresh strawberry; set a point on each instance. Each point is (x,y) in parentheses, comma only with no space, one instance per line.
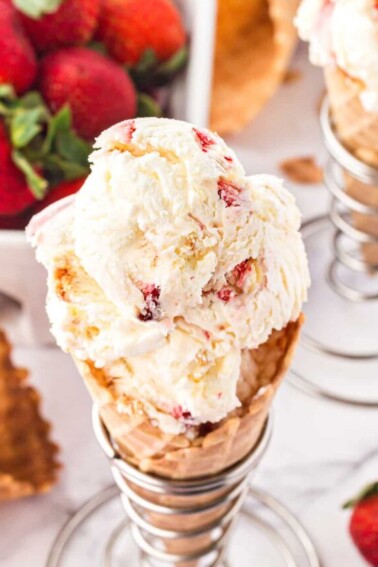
(18,64)
(60,191)
(17,222)
(363,525)
(98,90)
(130,27)
(15,195)
(73,22)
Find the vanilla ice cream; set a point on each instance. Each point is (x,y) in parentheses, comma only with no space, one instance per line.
(345,33)
(167,264)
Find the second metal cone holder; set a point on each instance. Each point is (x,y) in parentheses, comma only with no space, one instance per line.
(177,522)
(350,273)
(343,205)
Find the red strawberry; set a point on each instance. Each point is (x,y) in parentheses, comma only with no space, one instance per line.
(363,525)
(73,22)
(18,64)
(15,195)
(60,191)
(98,91)
(17,222)
(130,27)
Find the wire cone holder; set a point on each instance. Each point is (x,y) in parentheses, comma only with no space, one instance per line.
(181,523)
(354,187)
(337,354)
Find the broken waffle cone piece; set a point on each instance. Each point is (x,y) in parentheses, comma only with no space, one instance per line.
(254,43)
(358,131)
(28,462)
(217,446)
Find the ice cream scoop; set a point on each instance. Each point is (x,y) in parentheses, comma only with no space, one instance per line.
(344,33)
(167,264)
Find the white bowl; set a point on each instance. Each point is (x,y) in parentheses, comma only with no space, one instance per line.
(22,279)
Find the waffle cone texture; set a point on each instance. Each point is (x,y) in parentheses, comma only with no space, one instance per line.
(357,129)
(218,446)
(28,458)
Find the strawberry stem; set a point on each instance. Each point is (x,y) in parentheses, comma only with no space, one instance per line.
(366,493)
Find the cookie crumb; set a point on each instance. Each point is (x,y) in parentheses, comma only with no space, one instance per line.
(302,170)
(292,76)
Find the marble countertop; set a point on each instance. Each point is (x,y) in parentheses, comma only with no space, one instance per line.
(321,453)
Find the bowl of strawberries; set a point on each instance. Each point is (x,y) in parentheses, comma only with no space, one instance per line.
(68,70)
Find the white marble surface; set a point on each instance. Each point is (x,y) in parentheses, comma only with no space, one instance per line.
(321,453)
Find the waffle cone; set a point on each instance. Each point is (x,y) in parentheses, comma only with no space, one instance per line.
(358,130)
(177,457)
(254,43)
(28,463)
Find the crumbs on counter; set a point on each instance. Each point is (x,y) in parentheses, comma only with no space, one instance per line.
(302,169)
(292,76)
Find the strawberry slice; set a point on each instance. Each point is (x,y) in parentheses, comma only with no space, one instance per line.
(180,414)
(226,294)
(151,310)
(203,139)
(240,272)
(229,192)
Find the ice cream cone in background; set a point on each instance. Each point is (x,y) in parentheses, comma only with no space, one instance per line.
(254,43)
(343,37)
(176,283)
(357,128)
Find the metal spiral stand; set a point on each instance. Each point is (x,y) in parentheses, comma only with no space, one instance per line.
(184,523)
(197,515)
(348,273)
(342,162)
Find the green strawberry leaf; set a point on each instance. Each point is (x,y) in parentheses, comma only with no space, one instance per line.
(33,99)
(98,47)
(7,99)
(25,125)
(7,92)
(59,122)
(37,184)
(73,148)
(61,169)
(147,61)
(367,492)
(175,63)
(147,106)
(37,8)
